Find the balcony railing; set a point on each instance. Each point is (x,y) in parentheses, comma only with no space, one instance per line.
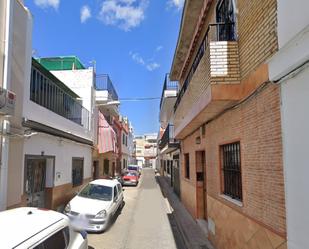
(224,32)
(47,93)
(103,83)
(168,85)
(168,138)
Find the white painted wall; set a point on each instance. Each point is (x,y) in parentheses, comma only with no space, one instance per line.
(290,67)
(20,56)
(292,18)
(81,82)
(63,150)
(295,123)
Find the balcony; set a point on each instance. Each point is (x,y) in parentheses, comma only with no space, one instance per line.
(168,99)
(105,95)
(212,82)
(49,92)
(168,142)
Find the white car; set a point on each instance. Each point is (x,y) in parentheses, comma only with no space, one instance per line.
(39,229)
(93,207)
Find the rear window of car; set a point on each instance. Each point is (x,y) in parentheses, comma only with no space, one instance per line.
(132,168)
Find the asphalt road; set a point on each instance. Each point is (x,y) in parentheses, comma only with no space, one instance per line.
(145,221)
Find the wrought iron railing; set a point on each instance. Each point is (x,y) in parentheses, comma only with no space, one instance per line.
(103,83)
(224,32)
(168,137)
(168,85)
(45,92)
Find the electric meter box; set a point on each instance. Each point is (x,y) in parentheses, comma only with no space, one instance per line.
(7,102)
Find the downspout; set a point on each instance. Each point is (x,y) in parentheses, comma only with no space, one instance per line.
(4,143)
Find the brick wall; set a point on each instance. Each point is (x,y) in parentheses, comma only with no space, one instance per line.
(224,62)
(257,31)
(257,125)
(233,61)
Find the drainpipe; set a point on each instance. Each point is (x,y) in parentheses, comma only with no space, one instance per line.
(4,123)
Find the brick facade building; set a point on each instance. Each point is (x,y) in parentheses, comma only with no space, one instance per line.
(227,117)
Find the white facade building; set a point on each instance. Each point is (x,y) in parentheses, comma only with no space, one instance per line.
(290,68)
(53,157)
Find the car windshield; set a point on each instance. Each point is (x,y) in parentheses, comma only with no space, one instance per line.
(94,191)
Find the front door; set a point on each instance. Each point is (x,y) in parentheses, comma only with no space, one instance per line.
(96,171)
(201,190)
(106,167)
(35,182)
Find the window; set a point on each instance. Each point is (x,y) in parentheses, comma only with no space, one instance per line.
(119,188)
(123,139)
(58,240)
(115,193)
(187,165)
(231,170)
(77,171)
(226,17)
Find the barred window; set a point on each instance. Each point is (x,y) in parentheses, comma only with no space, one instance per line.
(231,170)
(187,165)
(77,171)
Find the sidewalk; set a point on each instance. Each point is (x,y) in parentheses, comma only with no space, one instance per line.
(192,234)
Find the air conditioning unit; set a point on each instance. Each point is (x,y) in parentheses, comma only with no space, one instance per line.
(7,102)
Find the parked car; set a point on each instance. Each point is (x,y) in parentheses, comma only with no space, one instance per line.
(37,228)
(130,178)
(94,206)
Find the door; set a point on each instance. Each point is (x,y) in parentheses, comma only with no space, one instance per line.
(176,175)
(115,200)
(35,182)
(201,190)
(96,171)
(106,167)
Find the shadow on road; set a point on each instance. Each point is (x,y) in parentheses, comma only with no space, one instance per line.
(180,244)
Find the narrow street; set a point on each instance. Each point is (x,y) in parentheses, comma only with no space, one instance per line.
(144,222)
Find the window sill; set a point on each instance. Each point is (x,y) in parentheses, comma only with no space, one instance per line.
(238,203)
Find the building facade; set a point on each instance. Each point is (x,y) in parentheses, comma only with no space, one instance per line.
(289,69)
(169,147)
(107,154)
(52,157)
(227,117)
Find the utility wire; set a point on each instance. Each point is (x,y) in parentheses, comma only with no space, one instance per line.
(139,99)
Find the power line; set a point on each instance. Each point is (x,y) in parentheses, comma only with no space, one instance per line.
(139,99)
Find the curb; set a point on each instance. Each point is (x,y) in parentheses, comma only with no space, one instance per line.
(180,227)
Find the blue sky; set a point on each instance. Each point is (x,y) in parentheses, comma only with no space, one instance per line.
(131,40)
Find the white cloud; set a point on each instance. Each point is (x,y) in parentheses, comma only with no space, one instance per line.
(159,48)
(125,14)
(176,3)
(150,66)
(85,13)
(47,3)
(137,58)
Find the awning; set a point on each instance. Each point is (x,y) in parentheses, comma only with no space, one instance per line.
(107,137)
